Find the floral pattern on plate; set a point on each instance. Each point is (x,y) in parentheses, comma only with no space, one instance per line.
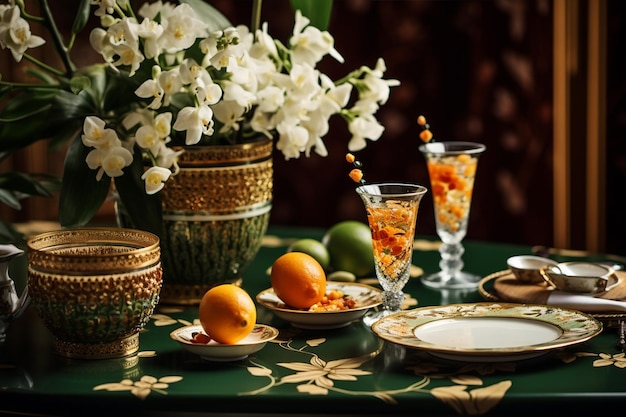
(218,352)
(486,326)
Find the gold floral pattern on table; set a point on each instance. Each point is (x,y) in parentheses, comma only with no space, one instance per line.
(461,386)
(318,376)
(604,359)
(142,387)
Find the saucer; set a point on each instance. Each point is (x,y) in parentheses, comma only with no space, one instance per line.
(218,352)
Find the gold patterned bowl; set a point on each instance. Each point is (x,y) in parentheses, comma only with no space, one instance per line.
(95,288)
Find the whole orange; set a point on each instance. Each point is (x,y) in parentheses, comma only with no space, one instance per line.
(227,313)
(298,279)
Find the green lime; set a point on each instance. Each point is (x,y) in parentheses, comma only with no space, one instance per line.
(349,244)
(314,248)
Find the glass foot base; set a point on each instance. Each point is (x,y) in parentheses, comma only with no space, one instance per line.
(462,280)
(373,316)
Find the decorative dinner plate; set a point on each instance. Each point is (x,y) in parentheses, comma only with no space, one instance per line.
(218,352)
(365,297)
(488,332)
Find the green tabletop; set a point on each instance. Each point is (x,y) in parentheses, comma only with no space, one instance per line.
(342,371)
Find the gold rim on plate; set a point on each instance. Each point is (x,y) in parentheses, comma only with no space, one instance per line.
(487,327)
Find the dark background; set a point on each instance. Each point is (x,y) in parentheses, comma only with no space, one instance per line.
(479,70)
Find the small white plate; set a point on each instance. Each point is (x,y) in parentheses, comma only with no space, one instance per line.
(218,352)
(365,297)
(488,332)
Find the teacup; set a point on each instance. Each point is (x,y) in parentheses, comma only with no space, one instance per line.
(527,268)
(580,277)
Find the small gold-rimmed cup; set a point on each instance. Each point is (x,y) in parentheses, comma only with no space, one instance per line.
(527,268)
(580,277)
(94,288)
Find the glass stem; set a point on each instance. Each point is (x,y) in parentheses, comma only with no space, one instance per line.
(392,301)
(451,263)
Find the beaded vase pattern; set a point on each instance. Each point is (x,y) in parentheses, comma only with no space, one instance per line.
(215,213)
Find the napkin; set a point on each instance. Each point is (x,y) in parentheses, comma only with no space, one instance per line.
(585,303)
(508,288)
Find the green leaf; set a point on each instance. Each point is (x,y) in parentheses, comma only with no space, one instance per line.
(8,234)
(318,11)
(145,210)
(63,136)
(10,199)
(79,83)
(82,16)
(33,116)
(23,183)
(81,194)
(209,15)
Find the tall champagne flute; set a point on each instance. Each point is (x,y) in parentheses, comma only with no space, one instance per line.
(452,169)
(392,217)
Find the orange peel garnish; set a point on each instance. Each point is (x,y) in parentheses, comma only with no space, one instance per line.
(356,174)
(425,135)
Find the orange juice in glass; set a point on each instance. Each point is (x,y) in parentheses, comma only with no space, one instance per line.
(452,169)
(392,216)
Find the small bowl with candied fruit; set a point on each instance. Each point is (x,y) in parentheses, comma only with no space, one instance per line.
(342,304)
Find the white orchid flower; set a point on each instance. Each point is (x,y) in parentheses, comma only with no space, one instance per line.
(245,81)
(292,139)
(207,92)
(208,47)
(124,32)
(94,161)
(99,41)
(309,45)
(148,138)
(163,125)
(110,161)
(96,135)
(335,99)
(230,114)
(151,88)
(266,42)
(127,56)
(168,158)
(196,121)
(15,34)
(365,107)
(271,99)
(139,116)
(104,7)
(190,71)
(235,92)
(152,10)
(181,29)
(150,31)
(318,145)
(115,160)
(154,179)
(305,80)
(362,128)
(263,123)
(376,89)
(171,84)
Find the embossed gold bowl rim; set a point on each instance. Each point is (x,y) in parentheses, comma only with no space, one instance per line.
(76,251)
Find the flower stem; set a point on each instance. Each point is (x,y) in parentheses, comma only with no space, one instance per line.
(256,16)
(56,37)
(43,65)
(32,87)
